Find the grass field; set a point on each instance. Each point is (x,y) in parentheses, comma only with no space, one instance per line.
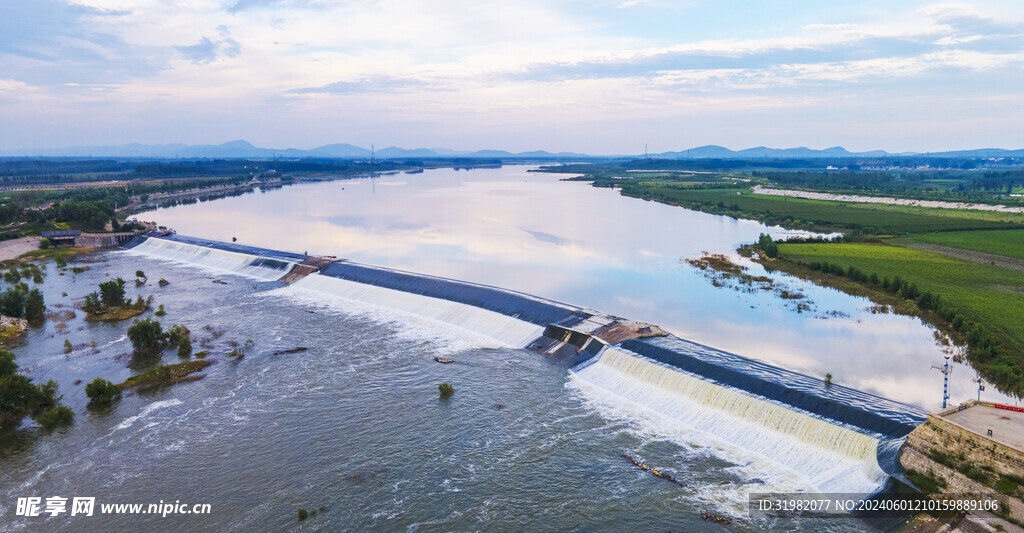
(884,219)
(1009,243)
(985,294)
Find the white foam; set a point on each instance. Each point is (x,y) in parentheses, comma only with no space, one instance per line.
(417,313)
(789,450)
(127,423)
(213,259)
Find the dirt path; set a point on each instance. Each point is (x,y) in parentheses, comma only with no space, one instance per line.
(15,247)
(971,255)
(878,200)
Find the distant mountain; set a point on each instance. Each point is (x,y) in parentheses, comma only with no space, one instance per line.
(491,153)
(341,150)
(394,152)
(244,149)
(762,152)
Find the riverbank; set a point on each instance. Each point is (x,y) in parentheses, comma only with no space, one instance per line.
(979,307)
(953,268)
(17,247)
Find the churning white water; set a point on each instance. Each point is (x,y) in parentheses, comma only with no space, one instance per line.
(826,457)
(214,259)
(508,331)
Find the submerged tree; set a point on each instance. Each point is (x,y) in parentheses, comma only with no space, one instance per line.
(112,293)
(101,392)
(147,335)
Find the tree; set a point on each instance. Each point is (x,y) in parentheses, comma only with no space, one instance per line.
(7,365)
(12,302)
(768,246)
(56,416)
(19,397)
(92,302)
(112,293)
(446,390)
(146,335)
(101,392)
(181,336)
(35,308)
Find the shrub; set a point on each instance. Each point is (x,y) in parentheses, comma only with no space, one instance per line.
(44,243)
(112,293)
(828,380)
(163,282)
(101,391)
(146,335)
(1006,485)
(181,336)
(68,348)
(35,308)
(160,311)
(446,390)
(56,416)
(303,514)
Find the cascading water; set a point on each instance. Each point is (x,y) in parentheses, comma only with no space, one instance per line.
(252,266)
(508,331)
(826,457)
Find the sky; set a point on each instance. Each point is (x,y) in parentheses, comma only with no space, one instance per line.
(602,77)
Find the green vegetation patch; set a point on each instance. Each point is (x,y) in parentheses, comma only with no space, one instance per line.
(1009,243)
(804,213)
(929,484)
(165,375)
(976,293)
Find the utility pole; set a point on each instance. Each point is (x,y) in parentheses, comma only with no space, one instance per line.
(981,384)
(946,371)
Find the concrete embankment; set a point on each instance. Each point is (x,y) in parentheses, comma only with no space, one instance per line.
(973,448)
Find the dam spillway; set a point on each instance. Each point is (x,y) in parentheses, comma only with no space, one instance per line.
(838,439)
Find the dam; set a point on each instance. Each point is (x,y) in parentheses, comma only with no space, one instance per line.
(833,438)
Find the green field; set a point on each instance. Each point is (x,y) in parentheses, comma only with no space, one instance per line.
(1009,243)
(988,295)
(882,218)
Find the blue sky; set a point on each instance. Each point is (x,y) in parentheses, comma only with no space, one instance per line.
(596,77)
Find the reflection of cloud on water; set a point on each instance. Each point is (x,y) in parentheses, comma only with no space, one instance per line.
(387,223)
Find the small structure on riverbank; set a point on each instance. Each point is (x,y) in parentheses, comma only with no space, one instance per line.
(62,237)
(973,448)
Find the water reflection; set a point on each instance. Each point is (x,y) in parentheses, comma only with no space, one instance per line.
(588,246)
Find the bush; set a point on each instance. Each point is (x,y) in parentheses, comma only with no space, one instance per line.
(446,390)
(112,293)
(68,348)
(181,336)
(101,391)
(1006,485)
(56,416)
(163,282)
(160,311)
(35,308)
(146,335)
(44,243)
(303,514)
